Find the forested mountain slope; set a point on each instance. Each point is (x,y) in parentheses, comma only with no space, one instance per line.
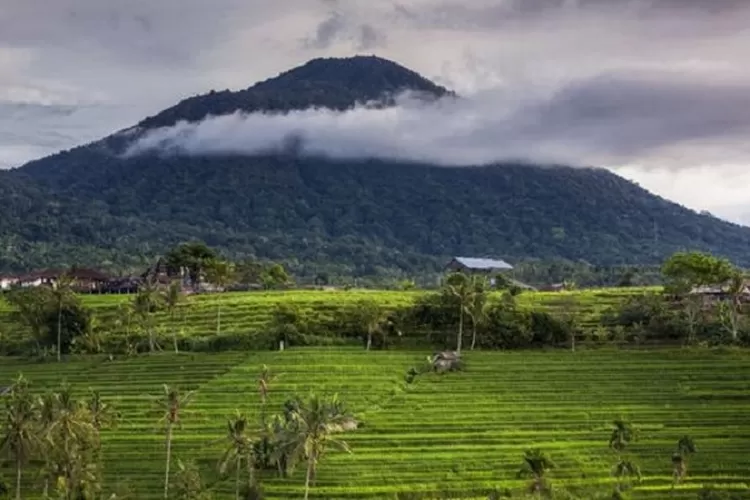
(359,217)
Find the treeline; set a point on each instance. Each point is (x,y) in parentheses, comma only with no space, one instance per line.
(464,312)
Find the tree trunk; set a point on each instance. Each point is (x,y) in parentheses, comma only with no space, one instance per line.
(310,466)
(174,333)
(151,343)
(473,334)
(218,319)
(18,479)
(237,480)
(59,329)
(169,459)
(369,339)
(460,330)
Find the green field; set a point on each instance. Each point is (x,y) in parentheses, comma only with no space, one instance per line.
(249,312)
(454,435)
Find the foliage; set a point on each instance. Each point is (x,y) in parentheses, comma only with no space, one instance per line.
(192,256)
(686,270)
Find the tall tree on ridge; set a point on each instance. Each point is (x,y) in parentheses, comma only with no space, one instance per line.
(171,403)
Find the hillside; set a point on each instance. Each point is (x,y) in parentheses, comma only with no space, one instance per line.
(457,435)
(356,217)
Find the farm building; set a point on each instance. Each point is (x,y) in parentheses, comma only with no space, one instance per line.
(477,265)
(83,279)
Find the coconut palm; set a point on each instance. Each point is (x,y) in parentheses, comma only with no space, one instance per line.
(171,402)
(685,448)
(220,273)
(239,450)
(311,431)
(20,437)
(72,438)
(172,297)
(536,464)
(460,286)
(63,291)
(622,435)
(147,301)
(477,308)
(626,471)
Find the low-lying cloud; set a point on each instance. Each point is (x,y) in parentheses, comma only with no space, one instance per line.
(609,120)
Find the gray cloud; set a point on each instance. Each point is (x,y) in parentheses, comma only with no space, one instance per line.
(602,121)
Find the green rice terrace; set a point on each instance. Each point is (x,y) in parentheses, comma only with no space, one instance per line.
(451,435)
(247,312)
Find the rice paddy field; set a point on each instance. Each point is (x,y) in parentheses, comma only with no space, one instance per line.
(247,312)
(455,435)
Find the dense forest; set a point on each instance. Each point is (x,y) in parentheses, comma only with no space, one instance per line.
(91,206)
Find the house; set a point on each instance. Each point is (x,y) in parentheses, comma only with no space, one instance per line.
(721,293)
(7,281)
(477,265)
(83,280)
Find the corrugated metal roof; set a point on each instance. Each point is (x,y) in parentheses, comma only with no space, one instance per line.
(479,263)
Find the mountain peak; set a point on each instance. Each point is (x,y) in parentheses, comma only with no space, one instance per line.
(336,83)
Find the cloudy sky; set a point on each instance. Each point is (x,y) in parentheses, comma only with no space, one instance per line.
(657,90)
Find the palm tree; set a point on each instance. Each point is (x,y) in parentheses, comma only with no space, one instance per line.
(477,309)
(171,403)
(72,437)
(147,300)
(239,449)
(536,464)
(622,435)
(626,471)
(221,273)
(459,285)
(685,448)
(63,291)
(20,438)
(313,424)
(172,299)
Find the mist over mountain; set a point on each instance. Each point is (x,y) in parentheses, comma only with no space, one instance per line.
(391,201)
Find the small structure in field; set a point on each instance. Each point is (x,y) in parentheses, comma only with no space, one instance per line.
(446,361)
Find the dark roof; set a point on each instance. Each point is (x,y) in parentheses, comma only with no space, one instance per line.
(482,263)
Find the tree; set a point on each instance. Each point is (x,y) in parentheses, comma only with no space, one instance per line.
(192,257)
(536,464)
(188,483)
(622,435)
(684,271)
(20,439)
(313,424)
(275,276)
(221,274)
(685,448)
(239,449)
(459,285)
(72,451)
(30,307)
(146,302)
(370,317)
(730,313)
(62,290)
(477,307)
(172,298)
(171,403)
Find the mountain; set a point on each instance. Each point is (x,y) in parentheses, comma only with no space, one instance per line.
(91,206)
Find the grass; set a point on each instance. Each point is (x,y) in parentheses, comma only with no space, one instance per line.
(248,312)
(450,436)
